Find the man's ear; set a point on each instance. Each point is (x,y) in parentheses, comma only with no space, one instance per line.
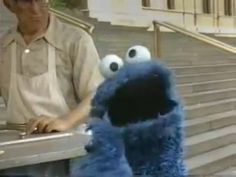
(9,4)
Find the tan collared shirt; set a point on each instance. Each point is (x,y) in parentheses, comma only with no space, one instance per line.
(76,60)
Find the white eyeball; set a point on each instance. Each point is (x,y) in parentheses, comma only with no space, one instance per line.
(137,53)
(110,65)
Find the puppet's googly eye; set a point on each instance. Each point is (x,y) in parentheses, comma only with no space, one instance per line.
(109,65)
(137,54)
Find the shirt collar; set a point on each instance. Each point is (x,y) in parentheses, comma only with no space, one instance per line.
(9,37)
(51,35)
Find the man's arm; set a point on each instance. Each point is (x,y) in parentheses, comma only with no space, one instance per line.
(86,77)
(46,124)
(75,117)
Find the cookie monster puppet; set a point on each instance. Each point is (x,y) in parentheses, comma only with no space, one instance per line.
(137,125)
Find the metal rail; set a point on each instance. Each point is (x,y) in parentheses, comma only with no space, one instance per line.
(195,35)
(75,21)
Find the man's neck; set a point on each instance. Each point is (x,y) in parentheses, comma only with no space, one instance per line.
(29,35)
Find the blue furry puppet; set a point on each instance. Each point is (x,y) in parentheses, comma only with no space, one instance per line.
(137,127)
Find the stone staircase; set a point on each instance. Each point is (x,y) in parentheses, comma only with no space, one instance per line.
(209,92)
(206,79)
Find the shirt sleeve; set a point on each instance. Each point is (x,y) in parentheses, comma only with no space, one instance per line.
(86,74)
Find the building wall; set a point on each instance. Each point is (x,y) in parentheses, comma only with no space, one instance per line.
(187,13)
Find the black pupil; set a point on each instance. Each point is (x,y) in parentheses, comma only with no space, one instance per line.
(132,53)
(114,66)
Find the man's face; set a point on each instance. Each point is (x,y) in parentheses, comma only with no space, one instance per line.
(32,14)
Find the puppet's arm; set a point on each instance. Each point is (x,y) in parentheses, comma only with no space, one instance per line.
(171,156)
(105,156)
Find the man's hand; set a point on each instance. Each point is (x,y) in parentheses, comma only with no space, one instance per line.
(44,124)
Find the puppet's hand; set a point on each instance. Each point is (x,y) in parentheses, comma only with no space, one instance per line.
(106,157)
(105,137)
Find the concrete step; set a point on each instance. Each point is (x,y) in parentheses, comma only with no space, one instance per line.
(209,96)
(209,123)
(206,86)
(183,79)
(229,172)
(201,110)
(207,141)
(212,161)
(204,69)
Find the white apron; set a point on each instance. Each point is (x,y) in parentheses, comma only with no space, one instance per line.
(34,96)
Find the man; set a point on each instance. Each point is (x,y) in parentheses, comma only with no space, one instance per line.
(46,68)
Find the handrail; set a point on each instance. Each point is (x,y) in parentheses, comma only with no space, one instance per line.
(197,36)
(75,21)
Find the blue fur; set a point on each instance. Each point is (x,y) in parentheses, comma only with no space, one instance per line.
(106,154)
(152,148)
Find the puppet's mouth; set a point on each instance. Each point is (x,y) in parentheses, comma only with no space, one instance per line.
(139,100)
